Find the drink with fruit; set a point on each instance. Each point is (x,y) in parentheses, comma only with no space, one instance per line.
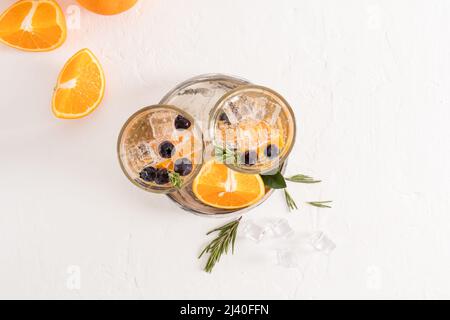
(253,129)
(160,148)
(246,131)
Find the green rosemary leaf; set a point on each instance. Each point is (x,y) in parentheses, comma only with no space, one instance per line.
(300,178)
(224,227)
(275,181)
(233,241)
(221,244)
(202,253)
(290,201)
(320,204)
(175,179)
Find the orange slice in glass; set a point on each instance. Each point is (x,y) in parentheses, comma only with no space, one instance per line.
(166,164)
(220,187)
(80,87)
(32,25)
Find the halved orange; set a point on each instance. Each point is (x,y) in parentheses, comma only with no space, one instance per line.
(80,87)
(32,25)
(107,7)
(220,187)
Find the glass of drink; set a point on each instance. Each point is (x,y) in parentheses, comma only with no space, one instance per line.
(253,127)
(160,148)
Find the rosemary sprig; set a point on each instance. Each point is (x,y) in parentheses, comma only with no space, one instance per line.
(320,204)
(221,244)
(175,179)
(290,201)
(301,178)
(278,181)
(224,155)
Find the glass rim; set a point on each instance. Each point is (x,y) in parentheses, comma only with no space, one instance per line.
(203,78)
(251,87)
(160,190)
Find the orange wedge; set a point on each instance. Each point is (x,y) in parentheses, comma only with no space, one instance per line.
(166,164)
(32,25)
(80,87)
(220,187)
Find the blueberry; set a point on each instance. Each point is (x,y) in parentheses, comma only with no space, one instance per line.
(162,176)
(166,149)
(182,123)
(271,151)
(183,166)
(148,174)
(223,117)
(249,158)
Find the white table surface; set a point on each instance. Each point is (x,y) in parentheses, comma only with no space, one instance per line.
(369,81)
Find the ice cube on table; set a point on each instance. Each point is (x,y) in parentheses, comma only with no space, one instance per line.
(287,258)
(252,231)
(162,124)
(282,229)
(320,241)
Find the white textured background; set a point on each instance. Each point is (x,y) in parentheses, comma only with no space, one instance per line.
(370,82)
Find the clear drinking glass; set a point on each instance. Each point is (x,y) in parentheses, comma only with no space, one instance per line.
(255,127)
(160,148)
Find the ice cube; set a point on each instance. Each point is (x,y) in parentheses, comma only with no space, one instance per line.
(232,113)
(142,154)
(322,243)
(145,153)
(287,258)
(242,107)
(260,108)
(249,108)
(162,124)
(275,114)
(230,138)
(281,229)
(252,231)
(185,141)
(245,108)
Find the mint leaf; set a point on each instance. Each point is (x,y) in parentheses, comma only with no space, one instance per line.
(275,181)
